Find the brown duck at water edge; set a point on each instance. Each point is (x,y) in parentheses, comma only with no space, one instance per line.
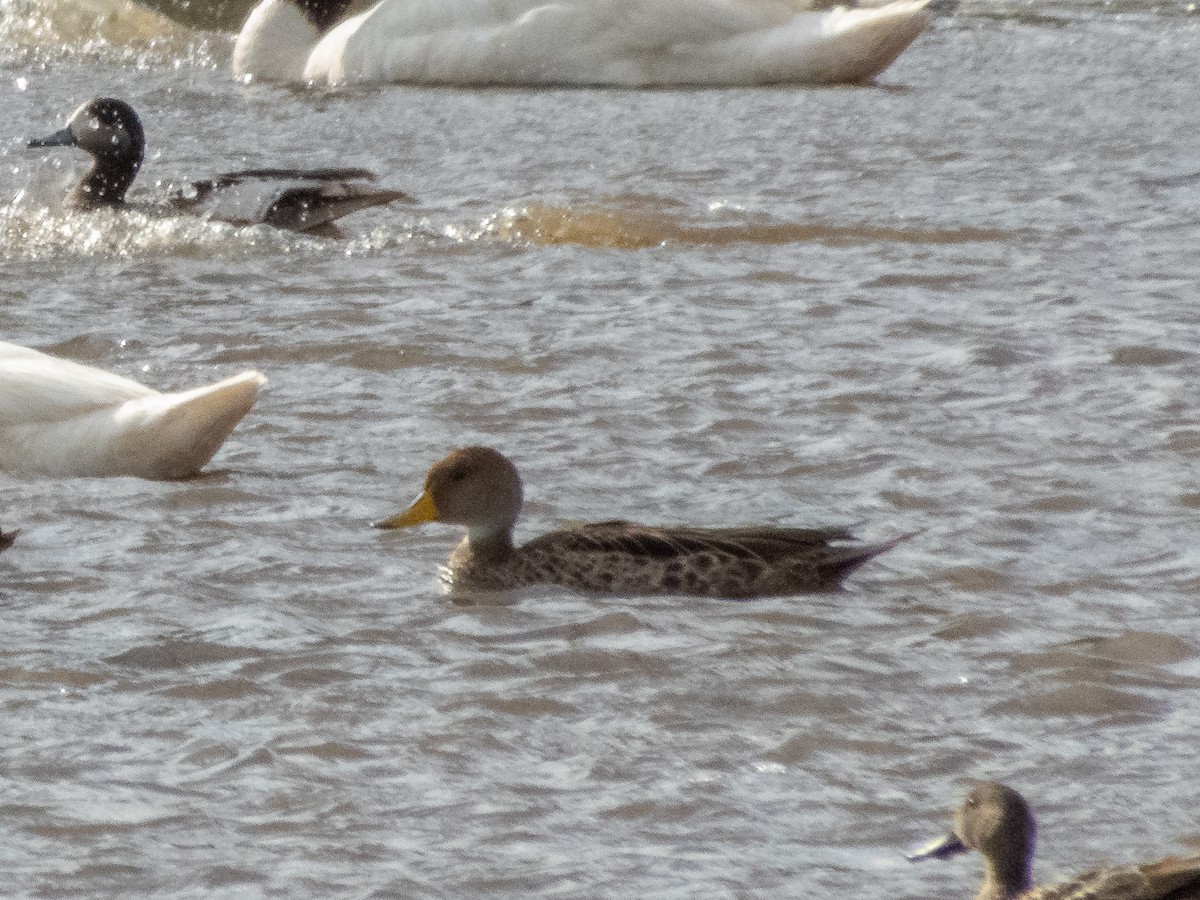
(996,821)
(309,201)
(479,488)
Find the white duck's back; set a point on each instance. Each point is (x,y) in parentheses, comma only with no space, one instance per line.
(42,388)
(617,42)
(274,43)
(65,419)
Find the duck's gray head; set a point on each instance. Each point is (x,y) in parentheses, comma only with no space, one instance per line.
(477,487)
(112,133)
(995,821)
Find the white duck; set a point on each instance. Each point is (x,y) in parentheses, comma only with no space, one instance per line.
(62,418)
(599,42)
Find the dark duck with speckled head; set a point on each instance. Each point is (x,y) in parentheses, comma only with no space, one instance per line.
(479,488)
(302,200)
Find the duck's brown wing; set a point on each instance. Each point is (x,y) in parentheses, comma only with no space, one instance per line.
(312,203)
(717,562)
(298,175)
(767,545)
(201,190)
(1174,878)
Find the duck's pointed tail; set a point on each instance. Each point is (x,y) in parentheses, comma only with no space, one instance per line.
(844,560)
(861,43)
(174,435)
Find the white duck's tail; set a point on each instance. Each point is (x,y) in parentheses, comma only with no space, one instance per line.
(869,40)
(174,435)
(837,46)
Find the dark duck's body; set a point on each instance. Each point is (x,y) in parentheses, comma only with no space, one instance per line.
(997,821)
(7,538)
(302,200)
(479,488)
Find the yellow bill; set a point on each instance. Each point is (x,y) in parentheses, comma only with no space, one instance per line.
(421,511)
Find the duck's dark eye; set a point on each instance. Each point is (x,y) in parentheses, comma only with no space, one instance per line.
(458,474)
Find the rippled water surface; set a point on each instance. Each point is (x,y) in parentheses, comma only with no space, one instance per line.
(963,302)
